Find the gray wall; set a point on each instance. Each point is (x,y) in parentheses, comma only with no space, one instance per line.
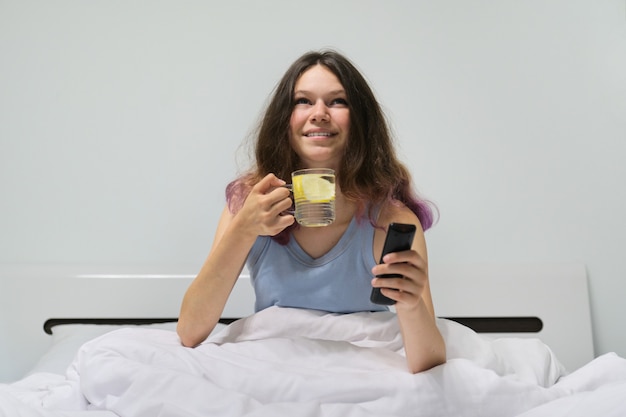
(122,121)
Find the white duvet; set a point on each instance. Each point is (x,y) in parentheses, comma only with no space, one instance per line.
(288,362)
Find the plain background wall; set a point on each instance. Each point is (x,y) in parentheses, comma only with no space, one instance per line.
(122,121)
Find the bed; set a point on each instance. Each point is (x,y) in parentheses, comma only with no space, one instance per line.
(99,340)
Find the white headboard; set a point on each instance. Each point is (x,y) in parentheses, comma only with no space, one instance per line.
(32,294)
(555,293)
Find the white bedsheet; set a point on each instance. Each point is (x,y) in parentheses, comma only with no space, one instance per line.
(287,362)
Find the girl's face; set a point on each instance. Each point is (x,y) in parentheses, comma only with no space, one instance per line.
(320,120)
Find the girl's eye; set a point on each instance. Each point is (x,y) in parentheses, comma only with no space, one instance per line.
(336,102)
(339,102)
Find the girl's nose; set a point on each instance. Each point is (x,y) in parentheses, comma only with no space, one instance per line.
(319,113)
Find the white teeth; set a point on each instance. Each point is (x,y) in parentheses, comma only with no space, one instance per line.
(318,134)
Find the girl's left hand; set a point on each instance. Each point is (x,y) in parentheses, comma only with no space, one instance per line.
(406,290)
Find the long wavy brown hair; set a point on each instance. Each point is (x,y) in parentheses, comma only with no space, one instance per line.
(370,173)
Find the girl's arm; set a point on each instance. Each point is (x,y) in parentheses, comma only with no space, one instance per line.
(423,343)
(206,297)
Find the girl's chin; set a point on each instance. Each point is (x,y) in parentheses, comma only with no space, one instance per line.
(320,161)
(321,153)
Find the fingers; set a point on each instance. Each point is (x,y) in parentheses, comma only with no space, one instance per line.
(396,284)
(272,218)
(409,286)
(406,263)
(398,296)
(404,291)
(268,183)
(274,191)
(409,256)
(265,206)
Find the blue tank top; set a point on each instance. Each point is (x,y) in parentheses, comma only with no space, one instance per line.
(337,282)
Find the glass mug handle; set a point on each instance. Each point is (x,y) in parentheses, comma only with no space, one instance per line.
(291,210)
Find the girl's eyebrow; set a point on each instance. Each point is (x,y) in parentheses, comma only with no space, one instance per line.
(331,93)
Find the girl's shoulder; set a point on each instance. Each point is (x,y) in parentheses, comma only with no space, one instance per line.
(396,212)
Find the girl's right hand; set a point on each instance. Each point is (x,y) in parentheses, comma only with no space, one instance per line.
(263,210)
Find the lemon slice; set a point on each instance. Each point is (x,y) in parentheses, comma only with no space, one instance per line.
(314,187)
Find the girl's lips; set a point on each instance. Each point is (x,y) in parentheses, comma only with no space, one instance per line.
(318,134)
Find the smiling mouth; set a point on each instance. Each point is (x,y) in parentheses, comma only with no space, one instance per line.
(318,134)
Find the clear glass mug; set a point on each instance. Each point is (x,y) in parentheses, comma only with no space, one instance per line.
(313,196)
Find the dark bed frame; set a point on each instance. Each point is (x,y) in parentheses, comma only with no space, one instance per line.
(478,324)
